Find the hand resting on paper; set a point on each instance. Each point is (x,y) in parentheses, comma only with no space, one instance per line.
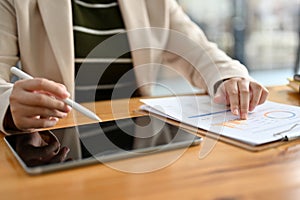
(242,95)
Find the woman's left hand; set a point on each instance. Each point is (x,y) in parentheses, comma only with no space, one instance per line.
(242,95)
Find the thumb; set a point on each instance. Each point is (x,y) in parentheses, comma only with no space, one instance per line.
(220,97)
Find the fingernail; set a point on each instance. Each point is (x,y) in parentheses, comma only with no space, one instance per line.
(68,108)
(67,94)
(244,116)
(236,112)
(55,119)
(63,115)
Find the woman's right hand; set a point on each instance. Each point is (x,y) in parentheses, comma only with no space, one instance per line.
(37,103)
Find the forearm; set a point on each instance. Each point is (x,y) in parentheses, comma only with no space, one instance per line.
(211,64)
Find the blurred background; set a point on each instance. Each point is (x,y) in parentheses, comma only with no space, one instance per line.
(262,34)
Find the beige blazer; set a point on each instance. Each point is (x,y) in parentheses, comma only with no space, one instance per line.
(39,34)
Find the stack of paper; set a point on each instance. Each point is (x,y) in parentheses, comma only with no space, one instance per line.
(294,84)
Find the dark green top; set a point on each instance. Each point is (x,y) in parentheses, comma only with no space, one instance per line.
(100,40)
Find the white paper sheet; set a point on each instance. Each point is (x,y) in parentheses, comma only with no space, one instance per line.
(267,123)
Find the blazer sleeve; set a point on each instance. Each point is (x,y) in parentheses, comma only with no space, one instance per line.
(9,53)
(203,63)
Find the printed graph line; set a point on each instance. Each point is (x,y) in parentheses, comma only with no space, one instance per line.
(207,114)
(231,124)
(280,114)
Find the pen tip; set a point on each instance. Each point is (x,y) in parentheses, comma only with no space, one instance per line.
(97,118)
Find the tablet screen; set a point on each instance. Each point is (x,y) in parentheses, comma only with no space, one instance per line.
(102,142)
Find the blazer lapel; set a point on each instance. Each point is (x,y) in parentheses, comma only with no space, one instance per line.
(57,19)
(134,13)
(136,19)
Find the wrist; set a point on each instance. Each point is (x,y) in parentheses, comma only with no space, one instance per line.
(8,122)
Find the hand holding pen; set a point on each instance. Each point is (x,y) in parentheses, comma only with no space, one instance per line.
(40,103)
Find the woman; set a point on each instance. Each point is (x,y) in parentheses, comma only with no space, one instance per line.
(41,33)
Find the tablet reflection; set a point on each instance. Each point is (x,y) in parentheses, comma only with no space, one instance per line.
(40,148)
(94,143)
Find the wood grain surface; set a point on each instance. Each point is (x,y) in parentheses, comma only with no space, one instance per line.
(226,173)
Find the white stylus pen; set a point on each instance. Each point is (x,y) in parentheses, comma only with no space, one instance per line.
(68,101)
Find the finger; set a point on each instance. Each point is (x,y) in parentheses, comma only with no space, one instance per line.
(31,111)
(37,99)
(244,95)
(221,96)
(259,95)
(256,96)
(264,96)
(40,84)
(27,118)
(233,95)
(61,156)
(27,124)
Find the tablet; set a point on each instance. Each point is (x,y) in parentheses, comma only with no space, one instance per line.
(104,142)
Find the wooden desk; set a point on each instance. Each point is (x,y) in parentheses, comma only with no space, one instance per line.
(226,173)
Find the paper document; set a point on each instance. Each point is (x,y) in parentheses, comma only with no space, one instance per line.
(269,122)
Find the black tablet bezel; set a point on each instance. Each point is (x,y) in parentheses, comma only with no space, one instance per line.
(92,160)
